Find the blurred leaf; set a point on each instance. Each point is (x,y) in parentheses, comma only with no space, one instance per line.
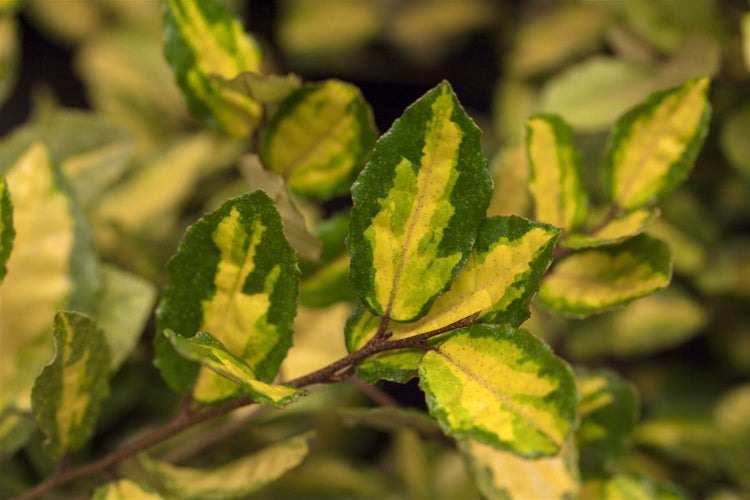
(595,280)
(9,54)
(745,29)
(69,21)
(688,255)
(391,418)
(319,138)
(202,39)
(608,408)
(15,432)
(125,489)
(510,172)
(550,39)
(555,181)
(505,475)
(412,226)
(630,487)
(732,416)
(729,272)
(733,140)
(7,233)
(68,394)
(501,387)
(236,479)
(649,325)
(268,89)
(205,349)
(234,276)
(652,148)
(513,101)
(614,231)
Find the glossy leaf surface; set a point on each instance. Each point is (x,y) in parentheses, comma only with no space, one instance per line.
(417,207)
(599,279)
(501,387)
(319,138)
(234,276)
(69,392)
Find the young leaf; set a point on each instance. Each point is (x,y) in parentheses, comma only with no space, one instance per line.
(418,205)
(205,349)
(615,231)
(501,387)
(593,281)
(234,276)
(501,474)
(203,39)
(652,147)
(634,487)
(555,182)
(125,489)
(7,233)
(319,138)
(609,410)
(236,479)
(68,393)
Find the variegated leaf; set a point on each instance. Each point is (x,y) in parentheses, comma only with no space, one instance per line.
(501,387)
(504,475)
(599,279)
(652,147)
(319,138)
(555,182)
(7,233)
(125,489)
(418,205)
(234,276)
(614,231)
(236,479)
(205,349)
(68,394)
(202,41)
(632,487)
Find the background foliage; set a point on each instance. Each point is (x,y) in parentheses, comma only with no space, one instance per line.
(142,169)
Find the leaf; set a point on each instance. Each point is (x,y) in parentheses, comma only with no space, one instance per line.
(593,281)
(391,419)
(501,387)
(555,182)
(53,266)
(124,307)
(745,29)
(234,276)
(632,487)
(614,231)
(652,147)
(10,52)
(510,172)
(205,349)
(609,411)
(236,479)
(125,489)
(268,89)
(734,132)
(501,474)
(7,233)
(15,431)
(417,206)
(68,394)
(202,39)
(319,138)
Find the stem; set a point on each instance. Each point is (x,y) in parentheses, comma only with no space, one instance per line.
(186,418)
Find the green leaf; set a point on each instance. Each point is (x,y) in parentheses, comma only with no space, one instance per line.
(417,206)
(234,276)
(10,52)
(53,266)
(745,29)
(608,409)
(68,394)
(205,349)
(614,231)
(125,489)
(632,487)
(236,479)
(593,281)
(15,432)
(319,138)
(7,233)
(391,418)
(733,134)
(559,195)
(203,39)
(501,474)
(652,147)
(501,387)
(510,172)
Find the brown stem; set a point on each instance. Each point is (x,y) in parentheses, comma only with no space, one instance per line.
(187,418)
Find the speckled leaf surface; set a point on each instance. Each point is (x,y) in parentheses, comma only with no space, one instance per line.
(599,279)
(68,394)
(418,204)
(234,276)
(501,387)
(203,348)
(559,195)
(202,41)
(7,233)
(319,138)
(652,147)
